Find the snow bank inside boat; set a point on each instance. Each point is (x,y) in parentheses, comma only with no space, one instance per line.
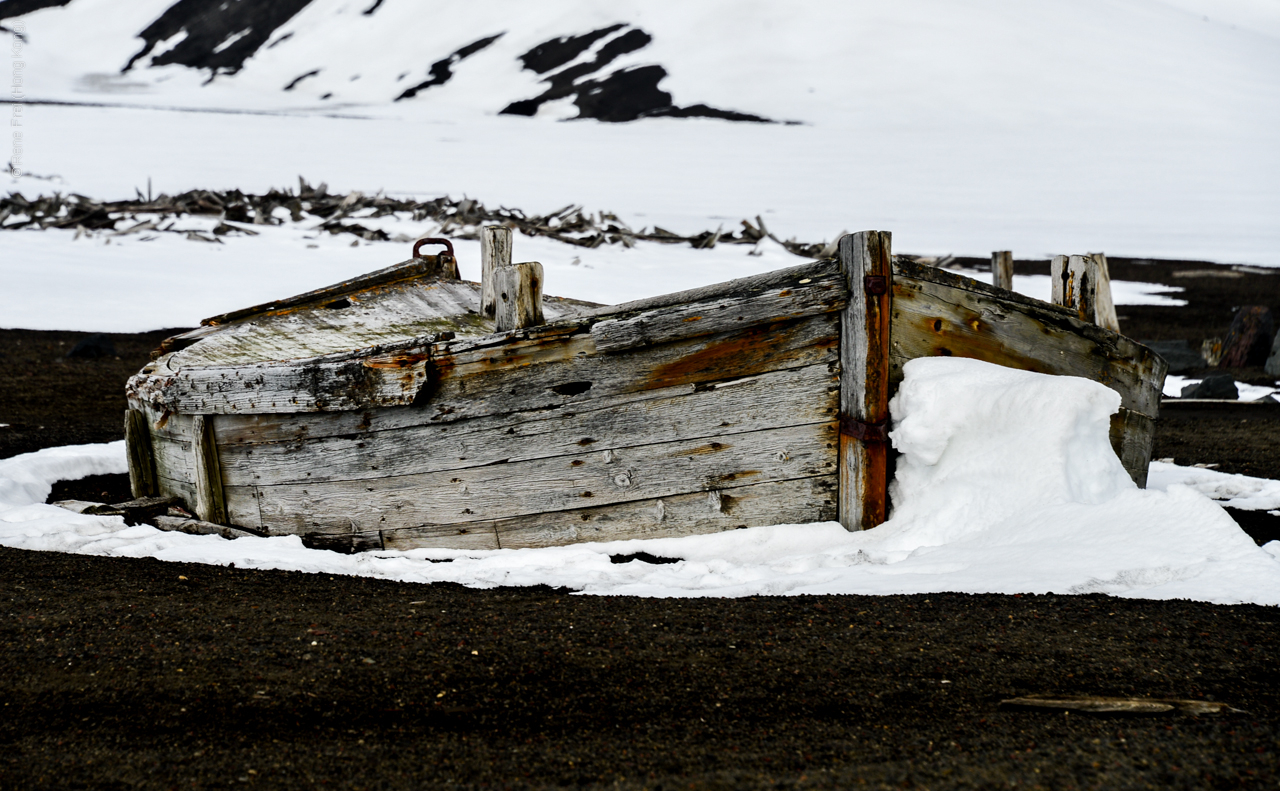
(1007,484)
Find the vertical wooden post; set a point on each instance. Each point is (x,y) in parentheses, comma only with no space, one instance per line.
(1083,283)
(142,460)
(495,253)
(518,289)
(1105,305)
(1074,285)
(864,379)
(1002,269)
(211,504)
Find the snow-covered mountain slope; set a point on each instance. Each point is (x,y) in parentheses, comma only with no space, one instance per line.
(993,60)
(1138,127)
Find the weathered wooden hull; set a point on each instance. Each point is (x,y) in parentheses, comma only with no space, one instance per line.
(698,412)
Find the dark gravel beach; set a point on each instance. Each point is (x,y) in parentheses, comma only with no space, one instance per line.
(135,673)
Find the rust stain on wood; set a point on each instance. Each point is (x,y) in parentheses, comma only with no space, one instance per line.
(735,476)
(975,341)
(702,450)
(395,361)
(753,348)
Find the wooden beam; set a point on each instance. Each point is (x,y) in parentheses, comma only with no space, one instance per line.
(210,500)
(822,294)
(954,316)
(518,291)
(142,461)
(864,380)
(1002,269)
(495,253)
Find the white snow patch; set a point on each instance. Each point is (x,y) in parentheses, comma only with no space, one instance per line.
(1007,484)
(1173,388)
(1234,491)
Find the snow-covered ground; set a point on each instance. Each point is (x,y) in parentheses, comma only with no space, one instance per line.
(1173,388)
(1142,128)
(140,282)
(1007,484)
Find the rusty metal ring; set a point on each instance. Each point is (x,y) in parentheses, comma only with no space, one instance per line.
(417,246)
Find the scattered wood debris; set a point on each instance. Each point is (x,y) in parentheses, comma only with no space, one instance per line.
(142,510)
(237,212)
(165,513)
(1091,704)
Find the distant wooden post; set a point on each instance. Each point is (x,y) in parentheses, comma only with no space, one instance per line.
(211,504)
(495,253)
(864,379)
(1083,284)
(142,460)
(518,290)
(1002,269)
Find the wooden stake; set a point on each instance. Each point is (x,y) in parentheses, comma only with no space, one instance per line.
(495,253)
(1104,304)
(1002,269)
(211,505)
(1083,284)
(142,460)
(1074,285)
(864,379)
(518,290)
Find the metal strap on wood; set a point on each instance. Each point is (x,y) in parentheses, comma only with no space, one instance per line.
(863,431)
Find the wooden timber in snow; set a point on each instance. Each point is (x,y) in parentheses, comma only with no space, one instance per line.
(390,412)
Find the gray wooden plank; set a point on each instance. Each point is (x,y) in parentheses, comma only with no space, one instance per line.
(741,287)
(1132,435)
(932,319)
(210,503)
(241,504)
(184,489)
(562,483)
(519,375)
(810,295)
(174,458)
(772,400)
(465,535)
(904,268)
(795,501)
(142,462)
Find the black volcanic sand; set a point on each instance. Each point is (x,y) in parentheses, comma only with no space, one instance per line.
(119,673)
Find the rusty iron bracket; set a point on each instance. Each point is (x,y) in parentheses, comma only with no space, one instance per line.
(875,285)
(866,432)
(417,247)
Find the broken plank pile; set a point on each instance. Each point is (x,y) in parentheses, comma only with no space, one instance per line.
(340,214)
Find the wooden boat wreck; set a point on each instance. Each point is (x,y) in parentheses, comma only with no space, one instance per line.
(408,408)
